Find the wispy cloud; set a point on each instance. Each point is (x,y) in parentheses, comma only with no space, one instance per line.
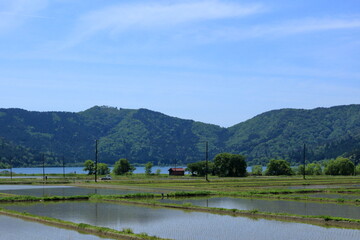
(290,27)
(309,25)
(120,18)
(16,12)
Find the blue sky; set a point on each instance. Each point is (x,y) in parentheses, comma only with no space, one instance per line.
(216,61)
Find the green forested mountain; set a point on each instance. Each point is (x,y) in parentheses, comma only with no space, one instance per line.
(282,133)
(143,135)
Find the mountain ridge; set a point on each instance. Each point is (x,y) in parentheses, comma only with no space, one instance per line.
(143,135)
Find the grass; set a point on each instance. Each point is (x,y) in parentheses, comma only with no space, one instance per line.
(45,199)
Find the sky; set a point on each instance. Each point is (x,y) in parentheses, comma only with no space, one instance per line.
(214,61)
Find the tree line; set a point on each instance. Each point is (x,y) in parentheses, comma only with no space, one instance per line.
(234,165)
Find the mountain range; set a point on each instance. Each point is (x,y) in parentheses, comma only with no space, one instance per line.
(29,138)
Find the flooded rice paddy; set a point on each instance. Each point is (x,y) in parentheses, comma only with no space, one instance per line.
(333,195)
(17,229)
(276,206)
(177,224)
(46,190)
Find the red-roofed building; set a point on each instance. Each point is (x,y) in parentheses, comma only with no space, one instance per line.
(177,171)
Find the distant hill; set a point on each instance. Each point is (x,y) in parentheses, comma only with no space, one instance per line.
(142,135)
(282,133)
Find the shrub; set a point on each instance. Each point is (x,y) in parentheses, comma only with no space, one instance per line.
(278,167)
(230,165)
(339,166)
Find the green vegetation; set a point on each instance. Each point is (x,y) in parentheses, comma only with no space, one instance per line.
(143,135)
(89,166)
(340,166)
(313,169)
(148,167)
(102,169)
(37,199)
(122,167)
(256,170)
(230,165)
(199,168)
(278,167)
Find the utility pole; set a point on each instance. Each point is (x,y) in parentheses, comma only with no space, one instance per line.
(11,168)
(304,159)
(96,158)
(63,165)
(43,166)
(206,159)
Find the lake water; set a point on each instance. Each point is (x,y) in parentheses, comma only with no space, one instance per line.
(79,170)
(277,206)
(18,229)
(177,224)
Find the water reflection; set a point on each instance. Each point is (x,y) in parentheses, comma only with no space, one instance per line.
(18,229)
(278,206)
(176,224)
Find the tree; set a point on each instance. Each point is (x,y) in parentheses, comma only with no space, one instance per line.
(123,166)
(230,165)
(339,166)
(313,169)
(148,167)
(89,166)
(199,168)
(102,169)
(278,167)
(256,170)
(357,170)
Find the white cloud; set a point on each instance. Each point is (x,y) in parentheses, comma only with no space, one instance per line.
(119,18)
(311,25)
(291,27)
(15,12)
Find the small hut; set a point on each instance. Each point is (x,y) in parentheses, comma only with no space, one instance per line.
(177,171)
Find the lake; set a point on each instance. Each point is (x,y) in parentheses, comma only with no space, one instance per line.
(79,170)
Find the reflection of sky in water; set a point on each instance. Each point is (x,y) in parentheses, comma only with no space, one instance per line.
(278,206)
(177,224)
(45,190)
(18,229)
